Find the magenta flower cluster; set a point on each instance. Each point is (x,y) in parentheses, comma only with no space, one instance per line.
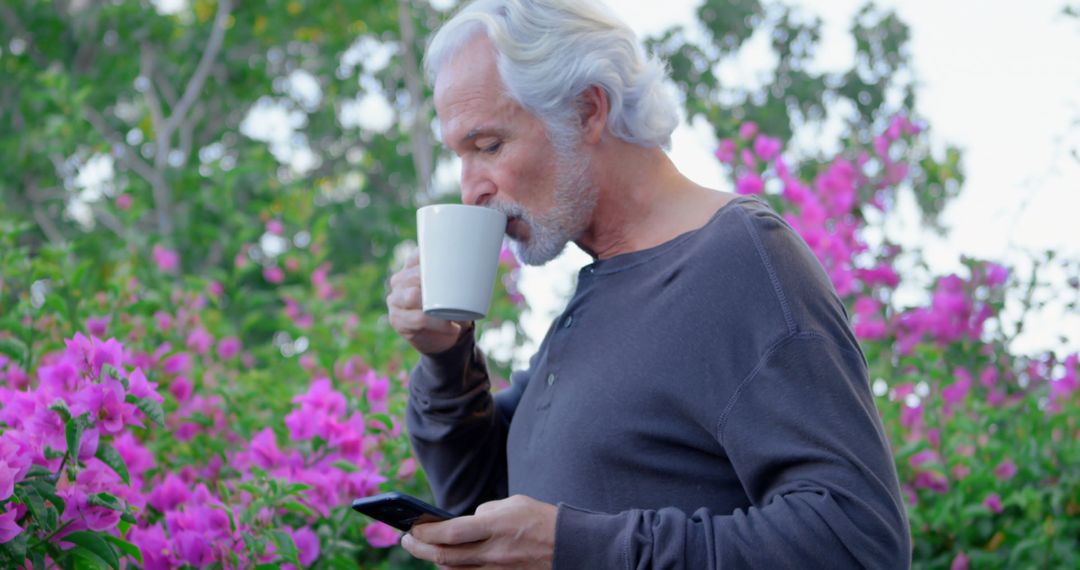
(178,516)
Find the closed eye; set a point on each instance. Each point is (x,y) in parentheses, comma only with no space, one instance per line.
(491,148)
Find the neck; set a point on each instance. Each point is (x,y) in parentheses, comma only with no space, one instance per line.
(643,200)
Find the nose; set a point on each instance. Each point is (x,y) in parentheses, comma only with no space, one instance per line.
(477,188)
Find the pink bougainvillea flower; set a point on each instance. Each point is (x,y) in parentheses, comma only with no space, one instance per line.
(960,562)
(215,289)
(323,290)
(307,545)
(996,275)
(1063,388)
(1005,470)
(181,388)
(163,321)
(956,392)
(381,535)
(155,548)
(275,227)
(228,347)
(748,130)
(748,158)
(273,274)
(264,449)
(199,341)
(140,387)
(749,184)
(90,354)
(167,260)
(933,481)
(993,502)
(193,548)
(407,469)
(767,147)
(924,457)
(169,494)
(97,326)
(882,274)
(106,405)
(123,202)
(8,479)
(9,529)
(137,458)
(725,152)
(179,363)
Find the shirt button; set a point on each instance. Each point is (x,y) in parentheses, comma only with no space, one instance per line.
(568,321)
(551,379)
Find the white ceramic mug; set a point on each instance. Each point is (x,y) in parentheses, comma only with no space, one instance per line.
(459,256)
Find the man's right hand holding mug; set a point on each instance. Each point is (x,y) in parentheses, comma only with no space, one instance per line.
(428,335)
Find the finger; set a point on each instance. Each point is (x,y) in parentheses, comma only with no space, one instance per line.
(410,276)
(411,320)
(445,556)
(461,530)
(413,259)
(407,298)
(489,506)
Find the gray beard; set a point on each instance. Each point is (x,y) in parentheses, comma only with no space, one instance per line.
(550,231)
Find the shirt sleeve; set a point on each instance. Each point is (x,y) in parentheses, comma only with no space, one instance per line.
(458,429)
(804,437)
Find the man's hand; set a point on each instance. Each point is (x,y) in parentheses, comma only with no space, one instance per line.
(427,334)
(518,532)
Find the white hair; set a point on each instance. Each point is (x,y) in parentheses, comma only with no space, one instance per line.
(550,51)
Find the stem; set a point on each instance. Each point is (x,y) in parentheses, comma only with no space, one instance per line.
(51,535)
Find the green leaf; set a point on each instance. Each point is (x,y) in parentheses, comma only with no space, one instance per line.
(93,543)
(294,488)
(152,409)
(109,456)
(286,547)
(105,500)
(126,547)
(298,507)
(60,407)
(38,471)
(384,419)
(15,348)
(29,496)
(83,559)
(73,430)
(346,466)
(15,548)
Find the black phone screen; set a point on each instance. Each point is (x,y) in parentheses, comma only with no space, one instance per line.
(399,510)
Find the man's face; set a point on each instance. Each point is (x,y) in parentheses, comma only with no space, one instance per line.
(508,162)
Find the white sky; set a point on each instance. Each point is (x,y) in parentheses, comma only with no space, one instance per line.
(998,78)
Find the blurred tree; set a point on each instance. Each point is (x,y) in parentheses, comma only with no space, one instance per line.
(795,96)
(166,97)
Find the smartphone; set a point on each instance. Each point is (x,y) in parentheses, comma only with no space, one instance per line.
(399,510)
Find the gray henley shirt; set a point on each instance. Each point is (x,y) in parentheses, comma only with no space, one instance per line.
(699,404)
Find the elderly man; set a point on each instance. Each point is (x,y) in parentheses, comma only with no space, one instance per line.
(700,403)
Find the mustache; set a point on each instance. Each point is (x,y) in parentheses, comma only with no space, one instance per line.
(510,210)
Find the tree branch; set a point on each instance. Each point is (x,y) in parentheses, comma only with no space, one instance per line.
(47,226)
(202,71)
(13,22)
(108,220)
(187,129)
(157,116)
(420,139)
(128,155)
(166,88)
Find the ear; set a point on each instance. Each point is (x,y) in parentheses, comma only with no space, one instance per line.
(593,109)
